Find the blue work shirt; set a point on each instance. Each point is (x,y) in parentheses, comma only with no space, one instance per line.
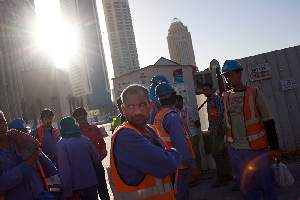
(77,157)
(137,156)
(17,179)
(49,144)
(172,123)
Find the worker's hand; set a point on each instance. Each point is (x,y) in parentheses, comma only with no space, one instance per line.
(33,158)
(276,155)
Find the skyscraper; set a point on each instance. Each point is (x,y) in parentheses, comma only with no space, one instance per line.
(121,36)
(16,17)
(180,43)
(87,70)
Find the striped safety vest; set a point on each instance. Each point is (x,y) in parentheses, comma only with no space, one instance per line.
(255,129)
(164,135)
(150,188)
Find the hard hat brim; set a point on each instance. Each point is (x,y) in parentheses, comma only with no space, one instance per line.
(223,73)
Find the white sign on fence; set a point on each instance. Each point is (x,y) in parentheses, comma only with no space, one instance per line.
(288,84)
(259,72)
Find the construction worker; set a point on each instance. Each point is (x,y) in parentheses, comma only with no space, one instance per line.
(192,123)
(215,111)
(47,135)
(77,157)
(94,134)
(120,117)
(140,165)
(250,133)
(19,175)
(47,170)
(154,102)
(18,124)
(171,130)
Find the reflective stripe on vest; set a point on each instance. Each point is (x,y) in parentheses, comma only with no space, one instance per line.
(158,123)
(255,130)
(149,188)
(160,188)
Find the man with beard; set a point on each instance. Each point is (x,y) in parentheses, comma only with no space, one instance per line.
(140,165)
(47,135)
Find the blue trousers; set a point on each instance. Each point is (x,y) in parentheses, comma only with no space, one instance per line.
(182,185)
(252,168)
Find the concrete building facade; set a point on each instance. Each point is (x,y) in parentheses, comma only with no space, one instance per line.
(46,87)
(16,28)
(121,36)
(180,77)
(180,44)
(88,72)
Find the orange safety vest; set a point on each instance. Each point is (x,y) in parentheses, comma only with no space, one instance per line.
(40,132)
(255,129)
(150,188)
(165,136)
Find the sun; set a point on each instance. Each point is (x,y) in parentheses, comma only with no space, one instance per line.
(54,36)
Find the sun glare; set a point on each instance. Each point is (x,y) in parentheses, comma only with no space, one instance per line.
(53,36)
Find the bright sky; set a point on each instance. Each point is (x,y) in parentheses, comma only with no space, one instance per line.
(54,36)
(220,29)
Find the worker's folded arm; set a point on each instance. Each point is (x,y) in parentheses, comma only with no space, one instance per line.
(137,151)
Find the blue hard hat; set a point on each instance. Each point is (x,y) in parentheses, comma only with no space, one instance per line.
(159,79)
(152,96)
(17,123)
(230,66)
(164,90)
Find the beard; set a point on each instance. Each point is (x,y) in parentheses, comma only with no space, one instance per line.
(138,120)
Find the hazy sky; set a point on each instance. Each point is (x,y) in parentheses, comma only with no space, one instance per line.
(220,29)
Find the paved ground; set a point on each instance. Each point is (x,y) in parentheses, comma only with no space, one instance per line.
(203,191)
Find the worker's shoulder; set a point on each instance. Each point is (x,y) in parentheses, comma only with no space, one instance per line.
(93,126)
(173,114)
(126,132)
(126,135)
